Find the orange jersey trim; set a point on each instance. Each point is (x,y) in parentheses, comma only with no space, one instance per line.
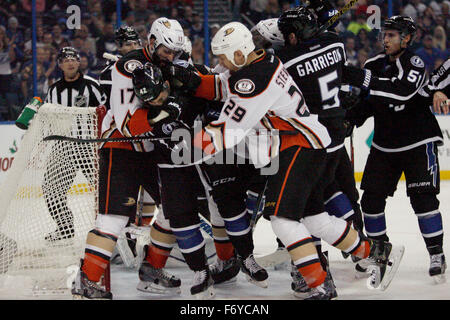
(207,88)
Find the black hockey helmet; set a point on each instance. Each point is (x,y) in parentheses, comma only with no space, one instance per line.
(68,52)
(300,21)
(404,25)
(125,34)
(148,82)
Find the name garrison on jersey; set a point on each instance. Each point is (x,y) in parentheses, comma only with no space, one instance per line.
(321,62)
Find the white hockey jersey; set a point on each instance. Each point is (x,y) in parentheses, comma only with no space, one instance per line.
(259,98)
(125,116)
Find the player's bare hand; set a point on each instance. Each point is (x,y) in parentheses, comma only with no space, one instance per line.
(440,103)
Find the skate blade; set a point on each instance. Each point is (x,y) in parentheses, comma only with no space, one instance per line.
(76,296)
(261,284)
(208,294)
(302,295)
(439,278)
(227,283)
(391,269)
(150,287)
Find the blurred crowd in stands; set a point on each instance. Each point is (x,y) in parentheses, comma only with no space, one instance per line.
(98,22)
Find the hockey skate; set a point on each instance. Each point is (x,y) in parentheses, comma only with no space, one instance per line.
(158,281)
(254,272)
(384,259)
(302,291)
(83,288)
(224,271)
(321,292)
(202,285)
(437,268)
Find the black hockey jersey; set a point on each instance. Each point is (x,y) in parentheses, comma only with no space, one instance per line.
(402,120)
(316,67)
(439,81)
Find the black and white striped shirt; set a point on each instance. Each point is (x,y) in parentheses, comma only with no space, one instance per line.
(83,92)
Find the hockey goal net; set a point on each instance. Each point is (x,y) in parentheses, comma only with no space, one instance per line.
(51,185)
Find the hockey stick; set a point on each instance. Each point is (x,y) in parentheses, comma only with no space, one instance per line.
(126,139)
(334,18)
(256,214)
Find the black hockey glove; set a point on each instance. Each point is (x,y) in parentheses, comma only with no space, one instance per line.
(182,78)
(356,77)
(172,107)
(349,99)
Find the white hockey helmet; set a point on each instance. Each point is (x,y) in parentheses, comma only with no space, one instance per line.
(268,29)
(167,32)
(187,46)
(232,37)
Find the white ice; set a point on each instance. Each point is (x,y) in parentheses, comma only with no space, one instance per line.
(411,282)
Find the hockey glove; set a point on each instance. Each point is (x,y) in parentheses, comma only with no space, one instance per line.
(349,99)
(183,78)
(356,77)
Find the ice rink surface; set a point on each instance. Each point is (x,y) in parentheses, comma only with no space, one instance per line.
(411,282)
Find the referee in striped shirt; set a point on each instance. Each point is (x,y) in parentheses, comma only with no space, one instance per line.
(73,90)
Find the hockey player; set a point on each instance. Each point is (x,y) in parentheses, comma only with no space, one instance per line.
(266,35)
(260,95)
(127,39)
(406,137)
(73,89)
(315,63)
(130,116)
(228,212)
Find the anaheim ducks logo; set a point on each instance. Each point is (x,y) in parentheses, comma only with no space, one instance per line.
(130,65)
(244,86)
(167,24)
(229,31)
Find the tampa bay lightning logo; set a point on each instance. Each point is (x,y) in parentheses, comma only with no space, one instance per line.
(417,62)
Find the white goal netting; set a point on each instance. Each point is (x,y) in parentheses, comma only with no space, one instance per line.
(48,203)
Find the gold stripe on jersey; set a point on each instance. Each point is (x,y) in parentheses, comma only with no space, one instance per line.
(275,139)
(138,145)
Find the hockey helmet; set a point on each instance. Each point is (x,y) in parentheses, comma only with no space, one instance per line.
(268,30)
(300,21)
(167,32)
(404,25)
(187,46)
(68,52)
(148,82)
(232,37)
(126,34)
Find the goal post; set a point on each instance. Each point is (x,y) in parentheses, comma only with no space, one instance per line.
(50,183)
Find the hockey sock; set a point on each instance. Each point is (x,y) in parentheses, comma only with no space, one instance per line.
(192,246)
(224,247)
(162,243)
(426,208)
(97,254)
(239,232)
(339,206)
(100,244)
(301,248)
(372,206)
(334,231)
(430,225)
